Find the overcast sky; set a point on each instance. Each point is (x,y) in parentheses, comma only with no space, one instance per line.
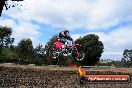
(39,20)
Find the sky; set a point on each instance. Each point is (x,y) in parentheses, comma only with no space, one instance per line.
(39,20)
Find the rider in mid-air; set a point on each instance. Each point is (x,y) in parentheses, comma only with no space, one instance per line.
(66,47)
(64,36)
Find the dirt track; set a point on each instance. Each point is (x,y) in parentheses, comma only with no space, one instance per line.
(12,76)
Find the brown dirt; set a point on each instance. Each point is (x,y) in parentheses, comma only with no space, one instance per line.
(28,76)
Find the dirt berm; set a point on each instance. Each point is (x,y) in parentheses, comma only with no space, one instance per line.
(46,77)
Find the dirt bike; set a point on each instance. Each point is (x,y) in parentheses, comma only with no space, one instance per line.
(68,49)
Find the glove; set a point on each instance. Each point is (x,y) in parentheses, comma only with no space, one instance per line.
(71,39)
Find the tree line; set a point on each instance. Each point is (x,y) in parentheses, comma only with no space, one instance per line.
(26,53)
(125,61)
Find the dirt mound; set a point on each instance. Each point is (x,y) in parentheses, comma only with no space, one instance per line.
(18,77)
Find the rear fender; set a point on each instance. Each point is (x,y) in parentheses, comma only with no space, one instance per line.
(58,45)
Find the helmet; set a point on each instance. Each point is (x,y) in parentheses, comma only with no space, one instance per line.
(66,31)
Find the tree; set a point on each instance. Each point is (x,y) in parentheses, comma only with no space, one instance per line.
(5,37)
(5,55)
(4,3)
(92,47)
(127,58)
(40,55)
(13,54)
(49,46)
(25,51)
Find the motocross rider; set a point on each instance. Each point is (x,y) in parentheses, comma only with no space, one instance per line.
(63,36)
